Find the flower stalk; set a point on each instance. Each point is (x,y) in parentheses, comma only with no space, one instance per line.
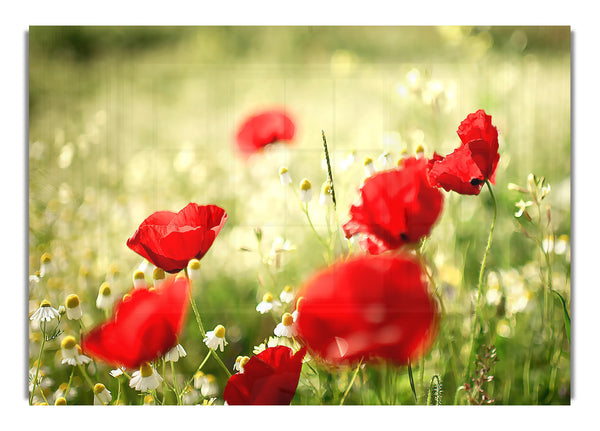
(478,305)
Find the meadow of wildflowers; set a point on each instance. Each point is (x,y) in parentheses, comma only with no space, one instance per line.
(299,215)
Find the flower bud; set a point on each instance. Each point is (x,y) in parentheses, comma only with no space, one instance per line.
(369,166)
(326,197)
(305,191)
(285,177)
(194,269)
(73,307)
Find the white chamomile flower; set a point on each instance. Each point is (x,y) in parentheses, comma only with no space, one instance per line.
(139,279)
(326,196)
(175,353)
(45,312)
(117,372)
(46,266)
(267,304)
(105,297)
(240,362)
(102,395)
(216,338)
(369,166)
(145,379)
(71,352)
(305,191)
(286,328)
(73,307)
(147,268)
(386,160)
(194,269)
(199,379)
(285,177)
(209,388)
(158,277)
(287,294)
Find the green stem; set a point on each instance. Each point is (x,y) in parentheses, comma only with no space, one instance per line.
(85,376)
(176,389)
(70,381)
(39,361)
(197,315)
(220,362)
(480,284)
(412,382)
(351,382)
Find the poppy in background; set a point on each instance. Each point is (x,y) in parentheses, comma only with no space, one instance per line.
(468,167)
(396,207)
(144,325)
(269,378)
(264,128)
(367,308)
(170,240)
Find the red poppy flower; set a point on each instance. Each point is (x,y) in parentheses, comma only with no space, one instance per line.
(368,307)
(396,207)
(467,168)
(271,377)
(264,128)
(143,327)
(170,240)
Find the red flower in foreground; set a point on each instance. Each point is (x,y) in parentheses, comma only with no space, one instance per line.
(262,129)
(467,168)
(397,206)
(271,377)
(170,240)
(368,307)
(144,326)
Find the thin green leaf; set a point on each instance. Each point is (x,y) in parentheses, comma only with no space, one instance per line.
(565,315)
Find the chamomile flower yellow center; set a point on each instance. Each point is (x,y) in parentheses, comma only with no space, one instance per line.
(326,189)
(287,319)
(268,297)
(146,370)
(287,289)
(72,301)
(419,149)
(60,401)
(158,274)
(45,303)
(282,171)
(105,289)
(98,388)
(194,264)
(46,258)
(220,331)
(68,342)
(244,361)
(367,161)
(305,184)
(138,275)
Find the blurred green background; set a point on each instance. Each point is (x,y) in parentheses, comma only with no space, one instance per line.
(125,121)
